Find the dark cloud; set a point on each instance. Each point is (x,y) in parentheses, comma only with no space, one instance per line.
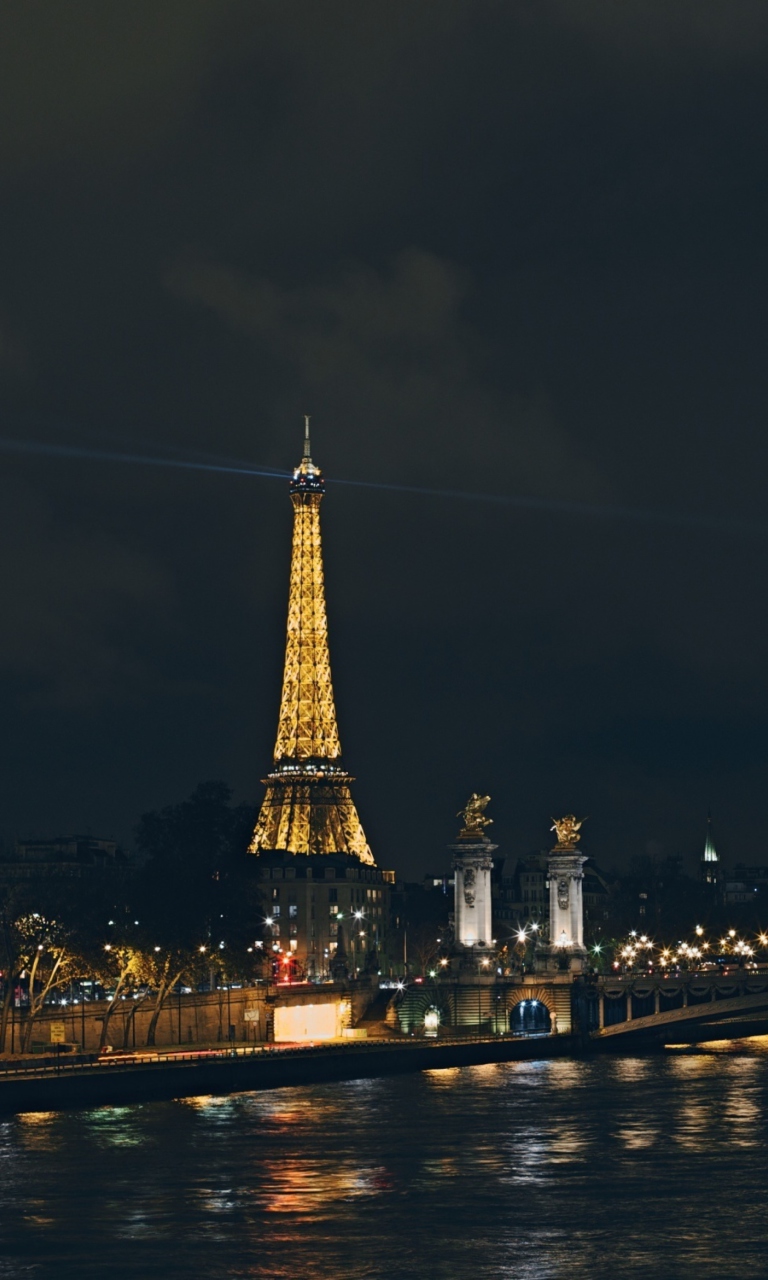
(511,248)
(71,604)
(96,80)
(390,360)
(14,357)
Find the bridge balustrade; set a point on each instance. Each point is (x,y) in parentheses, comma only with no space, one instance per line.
(623,998)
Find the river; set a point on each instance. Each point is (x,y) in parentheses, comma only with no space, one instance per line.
(554,1170)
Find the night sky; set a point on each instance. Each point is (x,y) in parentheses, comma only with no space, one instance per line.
(504,248)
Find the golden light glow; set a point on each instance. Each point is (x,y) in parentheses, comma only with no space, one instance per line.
(308,807)
(307,727)
(304,1022)
(431,1021)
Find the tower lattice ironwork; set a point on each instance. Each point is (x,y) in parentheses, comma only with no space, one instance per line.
(308,807)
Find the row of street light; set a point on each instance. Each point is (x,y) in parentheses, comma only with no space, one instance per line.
(641,951)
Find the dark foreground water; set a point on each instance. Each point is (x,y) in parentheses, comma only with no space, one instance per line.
(602,1168)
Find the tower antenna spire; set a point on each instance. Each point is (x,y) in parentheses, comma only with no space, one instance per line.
(307,452)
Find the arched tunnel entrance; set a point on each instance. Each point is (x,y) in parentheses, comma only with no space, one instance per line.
(530,1018)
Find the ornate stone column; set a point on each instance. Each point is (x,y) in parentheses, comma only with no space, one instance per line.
(472,867)
(566,903)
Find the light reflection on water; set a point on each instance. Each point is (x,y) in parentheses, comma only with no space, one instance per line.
(555,1170)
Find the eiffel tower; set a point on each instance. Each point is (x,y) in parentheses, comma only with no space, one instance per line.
(308,807)
(320,881)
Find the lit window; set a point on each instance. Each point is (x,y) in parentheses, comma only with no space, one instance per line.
(293,910)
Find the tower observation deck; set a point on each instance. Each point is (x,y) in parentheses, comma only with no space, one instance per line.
(308,808)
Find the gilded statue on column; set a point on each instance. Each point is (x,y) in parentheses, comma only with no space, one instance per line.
(473,817)
(567,830)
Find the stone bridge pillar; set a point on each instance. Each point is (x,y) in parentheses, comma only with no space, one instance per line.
(472,867)
(566,903)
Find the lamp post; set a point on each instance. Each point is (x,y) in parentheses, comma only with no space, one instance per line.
(357,917)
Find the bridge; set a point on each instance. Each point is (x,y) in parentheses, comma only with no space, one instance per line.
(679,1008)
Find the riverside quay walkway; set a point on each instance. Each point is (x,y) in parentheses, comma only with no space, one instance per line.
(684,1008)
(147,1076)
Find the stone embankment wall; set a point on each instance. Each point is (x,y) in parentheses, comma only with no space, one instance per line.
(198,1018)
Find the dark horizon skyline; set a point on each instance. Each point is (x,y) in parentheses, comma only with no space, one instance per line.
(491,248)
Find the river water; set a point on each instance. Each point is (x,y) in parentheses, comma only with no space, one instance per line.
(606,1167)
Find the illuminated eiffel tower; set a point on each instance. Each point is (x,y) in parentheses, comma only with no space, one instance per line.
(308,807)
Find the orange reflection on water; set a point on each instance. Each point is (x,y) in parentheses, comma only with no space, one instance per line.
(205,1101)
(638,1135)
(567,1145)
(442,1075)
(483,1071)
(308,1188)
(566,1073)
(744,1116)
(691,1065)
(288,1108)
(630,1069)
(696,1122)
(444,1168)
(39,1130)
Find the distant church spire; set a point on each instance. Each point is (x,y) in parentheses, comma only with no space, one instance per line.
(308,807)
(710,862)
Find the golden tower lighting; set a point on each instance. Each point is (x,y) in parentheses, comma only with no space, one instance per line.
(308,807)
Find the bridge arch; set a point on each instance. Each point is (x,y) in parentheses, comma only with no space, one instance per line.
(543,994)
(530,1017)
(532,1012)
(416,1004)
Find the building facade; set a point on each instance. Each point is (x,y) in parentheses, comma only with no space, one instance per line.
(64,856)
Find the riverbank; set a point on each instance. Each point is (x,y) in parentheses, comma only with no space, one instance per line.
(183,1076)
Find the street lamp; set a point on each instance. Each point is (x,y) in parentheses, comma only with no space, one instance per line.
(356,915)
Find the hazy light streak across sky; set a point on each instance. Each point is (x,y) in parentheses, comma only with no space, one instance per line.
(634,515)
(42,449)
